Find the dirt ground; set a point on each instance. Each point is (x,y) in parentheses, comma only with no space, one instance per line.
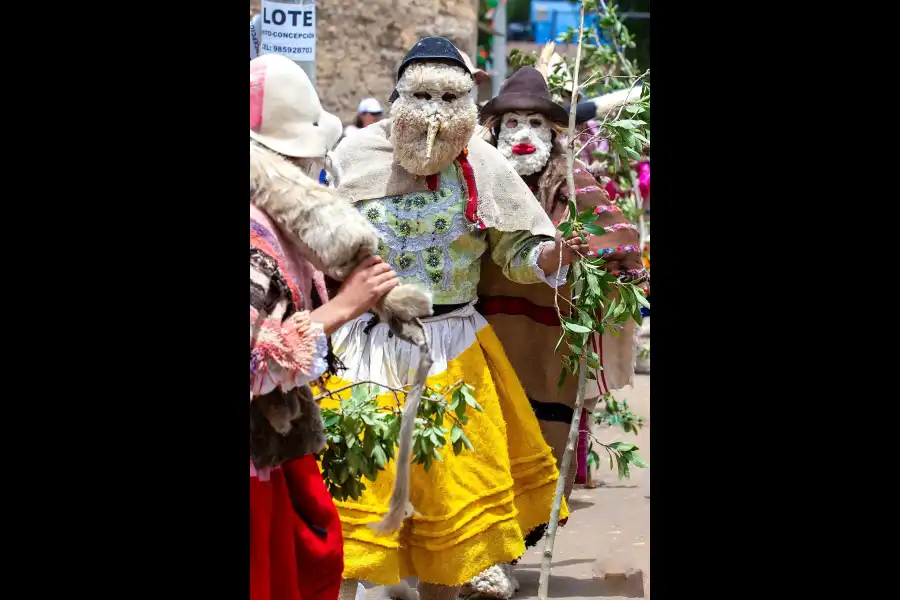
(610,522)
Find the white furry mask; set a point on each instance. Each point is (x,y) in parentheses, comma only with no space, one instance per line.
(433,118)
(525,140)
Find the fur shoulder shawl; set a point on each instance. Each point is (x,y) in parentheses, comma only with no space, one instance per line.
(326,229)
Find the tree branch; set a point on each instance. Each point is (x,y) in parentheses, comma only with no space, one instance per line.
(547,558)
(626,66)
(609,112)
(553,524)
(330,393)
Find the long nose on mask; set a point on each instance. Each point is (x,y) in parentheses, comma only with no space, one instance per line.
(434,126)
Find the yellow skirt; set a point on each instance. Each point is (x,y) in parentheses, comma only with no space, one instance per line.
(473,509)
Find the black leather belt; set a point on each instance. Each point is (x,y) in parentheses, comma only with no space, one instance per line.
(552,411)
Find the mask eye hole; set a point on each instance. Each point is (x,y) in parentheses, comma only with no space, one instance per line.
(536,122)
(448,97)
(512,124)
(422,95)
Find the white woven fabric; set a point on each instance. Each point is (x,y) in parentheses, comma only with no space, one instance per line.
(377,355)
(494,582)
(365,169)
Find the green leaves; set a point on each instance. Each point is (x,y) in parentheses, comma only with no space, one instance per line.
(594,229)
(469,398)
(575,327)
(626,124)
(622,456)
(362,437)
(622,446)
(616,414)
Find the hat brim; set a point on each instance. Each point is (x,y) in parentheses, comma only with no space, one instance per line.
(517,102)
(458,62)
(311,144)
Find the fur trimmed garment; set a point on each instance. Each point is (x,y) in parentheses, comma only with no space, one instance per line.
(296,547)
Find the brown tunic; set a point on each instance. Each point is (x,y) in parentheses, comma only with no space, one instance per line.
(525,320)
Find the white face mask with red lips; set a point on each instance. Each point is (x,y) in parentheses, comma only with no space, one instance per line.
(525,140)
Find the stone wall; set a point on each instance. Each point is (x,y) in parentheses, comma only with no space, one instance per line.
(360,44)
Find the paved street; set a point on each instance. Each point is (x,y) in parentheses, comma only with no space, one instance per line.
(610,522)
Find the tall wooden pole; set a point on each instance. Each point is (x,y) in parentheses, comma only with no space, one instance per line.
(553,524)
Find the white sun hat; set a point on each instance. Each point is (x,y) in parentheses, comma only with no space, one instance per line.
(332,129)
(285,113)
(370,105)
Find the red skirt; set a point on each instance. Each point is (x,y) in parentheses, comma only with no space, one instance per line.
(296,547)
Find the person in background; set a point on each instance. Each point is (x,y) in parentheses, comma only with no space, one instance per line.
(368,112)
(524,124)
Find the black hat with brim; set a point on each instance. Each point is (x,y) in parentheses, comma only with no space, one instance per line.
(431,49)
(526,90)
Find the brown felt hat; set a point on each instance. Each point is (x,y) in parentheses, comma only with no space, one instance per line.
(526,90)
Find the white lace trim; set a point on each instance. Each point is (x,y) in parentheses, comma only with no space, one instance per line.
(320,362)
(274,375)
(554,280)
(407,254)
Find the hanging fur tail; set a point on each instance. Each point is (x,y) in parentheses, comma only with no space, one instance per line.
(399,508)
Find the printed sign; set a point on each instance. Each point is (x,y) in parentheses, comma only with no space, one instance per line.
(289,30)
(255,28)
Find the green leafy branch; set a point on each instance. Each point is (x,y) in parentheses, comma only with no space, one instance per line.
(622,456)
(609,70)
(361,436)
(594,308)
(615,413)
(600,302)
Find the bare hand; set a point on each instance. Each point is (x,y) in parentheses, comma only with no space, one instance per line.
(369,281)
(572,248)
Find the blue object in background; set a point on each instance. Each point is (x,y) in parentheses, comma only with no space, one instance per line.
(552,18)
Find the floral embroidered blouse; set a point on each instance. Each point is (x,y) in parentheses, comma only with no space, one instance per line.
(427,239)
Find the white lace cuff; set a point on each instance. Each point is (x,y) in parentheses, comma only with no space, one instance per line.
(320,361)
(554,280)
(275,375)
